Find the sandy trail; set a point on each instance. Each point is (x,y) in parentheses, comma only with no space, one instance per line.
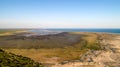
(108,57)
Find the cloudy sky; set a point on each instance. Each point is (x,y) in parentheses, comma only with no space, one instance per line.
(59,13)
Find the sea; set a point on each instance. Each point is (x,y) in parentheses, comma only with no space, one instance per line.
(56,30)
(88,30)
(59,30)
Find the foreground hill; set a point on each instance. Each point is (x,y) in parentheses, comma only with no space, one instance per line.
(12,60)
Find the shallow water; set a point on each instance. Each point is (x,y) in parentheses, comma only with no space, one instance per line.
(44,31)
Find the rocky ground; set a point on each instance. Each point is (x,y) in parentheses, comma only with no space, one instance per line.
(108,56)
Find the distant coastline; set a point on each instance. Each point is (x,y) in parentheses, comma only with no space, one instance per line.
(58,30)
(113,31)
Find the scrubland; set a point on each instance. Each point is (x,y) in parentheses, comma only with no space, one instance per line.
(52,48)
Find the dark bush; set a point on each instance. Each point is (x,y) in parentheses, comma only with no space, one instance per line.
(12,60)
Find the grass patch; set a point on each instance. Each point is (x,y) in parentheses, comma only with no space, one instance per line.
(40,55)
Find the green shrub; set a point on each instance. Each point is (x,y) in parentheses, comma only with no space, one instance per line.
(12,60)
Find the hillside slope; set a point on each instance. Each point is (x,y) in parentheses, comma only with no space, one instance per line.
(12,60)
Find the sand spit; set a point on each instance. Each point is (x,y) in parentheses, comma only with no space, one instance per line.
(13,33)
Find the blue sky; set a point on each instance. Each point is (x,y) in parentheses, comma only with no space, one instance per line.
(59,13)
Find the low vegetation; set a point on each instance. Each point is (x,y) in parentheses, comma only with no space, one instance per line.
(55,48)
(12,60)
(47,41)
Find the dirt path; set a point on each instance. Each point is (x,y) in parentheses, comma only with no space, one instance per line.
(108,57)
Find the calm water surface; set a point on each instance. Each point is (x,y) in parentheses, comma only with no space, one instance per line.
(55,31)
